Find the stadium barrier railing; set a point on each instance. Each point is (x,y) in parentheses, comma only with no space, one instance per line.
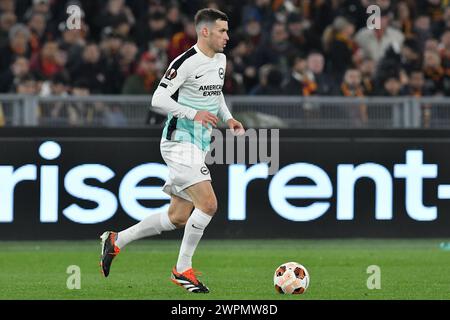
(255,111)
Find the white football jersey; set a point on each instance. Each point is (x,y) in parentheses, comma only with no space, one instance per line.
(194,80)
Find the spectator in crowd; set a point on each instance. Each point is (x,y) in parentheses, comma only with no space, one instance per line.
(72,41)
(442,25)
(110,44)
(7,6)
(18,45)
(155,23)
(391,86)
(385,5)
(90,68)
(403,19)
(114,14)
(159,48)
(81,87)
(262,32)
(182,41)
(233,81)
(367,69)
(352,87)
(323,12)
(298,82)
(110,47)
(355,10)
(394,62)
(43,7)
(315,64)
(114,117)
(37,24)
(433,71)
(444,51)
(339,46)
(57,113)
(59,85)
(145,80)
(13,75)
(260,9)
(27,85)
(302,38)
(432,9)
(121,27)
(276,50)
(49,61)
(39,6)
(307,77)
(374,43)
(251,31)
(156,6)
(127,58)
(410,57)
(416,84)
(77,112)
(432,44)
(7,20)
(422,30)
(174,19)
(269,81)
(244,63)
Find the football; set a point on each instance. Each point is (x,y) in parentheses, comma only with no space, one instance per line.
(291,278)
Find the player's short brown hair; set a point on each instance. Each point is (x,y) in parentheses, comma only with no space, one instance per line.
(209,15)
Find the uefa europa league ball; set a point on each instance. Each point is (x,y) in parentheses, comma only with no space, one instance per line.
(291,278)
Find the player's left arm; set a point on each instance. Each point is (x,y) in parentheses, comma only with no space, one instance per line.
(225,115)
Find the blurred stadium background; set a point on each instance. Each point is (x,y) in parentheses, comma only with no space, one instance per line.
(340,94)
(299,49)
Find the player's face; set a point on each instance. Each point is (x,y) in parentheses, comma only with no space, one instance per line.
(218,36)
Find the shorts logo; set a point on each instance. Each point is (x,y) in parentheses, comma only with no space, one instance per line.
(170,74)
(204,170)
(221,73)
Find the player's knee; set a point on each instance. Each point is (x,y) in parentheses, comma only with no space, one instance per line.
(177,219)
(209,206)
(180,223)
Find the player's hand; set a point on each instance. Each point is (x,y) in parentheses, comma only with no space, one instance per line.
(236,127)
(206,118)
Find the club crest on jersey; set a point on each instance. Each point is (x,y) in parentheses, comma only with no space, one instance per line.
(221,73)
(170,74)
(204,170)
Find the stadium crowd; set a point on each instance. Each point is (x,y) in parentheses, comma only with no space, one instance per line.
(291,47)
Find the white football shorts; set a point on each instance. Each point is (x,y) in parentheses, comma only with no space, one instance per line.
(186,163)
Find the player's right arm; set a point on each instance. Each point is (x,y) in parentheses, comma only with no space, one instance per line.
(170,83)
(162,97)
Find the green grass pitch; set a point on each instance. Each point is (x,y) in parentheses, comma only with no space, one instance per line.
(232,269)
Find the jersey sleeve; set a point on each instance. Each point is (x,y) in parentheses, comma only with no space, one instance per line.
(174,77)
(224,114)
(163,102)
